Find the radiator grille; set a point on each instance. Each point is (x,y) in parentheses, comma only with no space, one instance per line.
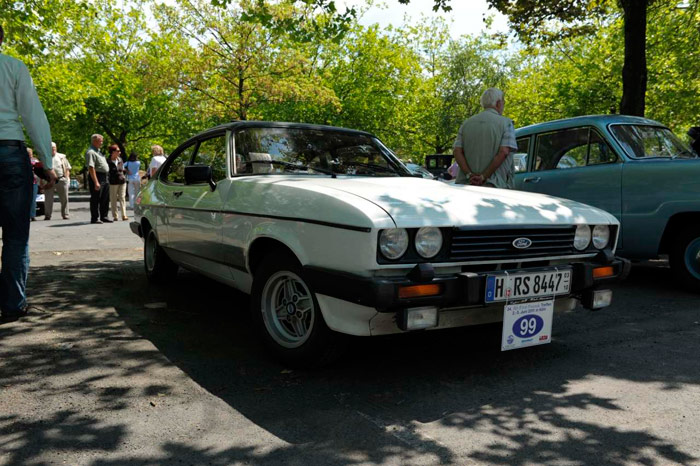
(497,244)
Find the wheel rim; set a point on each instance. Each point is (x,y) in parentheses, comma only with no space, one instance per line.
(151,247)
(692,258)
(288,309)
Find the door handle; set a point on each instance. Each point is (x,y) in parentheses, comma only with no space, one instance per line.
(532,179)
(177,194)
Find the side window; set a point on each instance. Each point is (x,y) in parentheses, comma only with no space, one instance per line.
(561,149)
(600,151)
(520,155)
(175,171)
(213,152)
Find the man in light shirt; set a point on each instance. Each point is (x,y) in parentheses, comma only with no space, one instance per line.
(484,143)
(62,167)
(18,99)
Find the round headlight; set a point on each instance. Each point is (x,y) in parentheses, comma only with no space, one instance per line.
(601,236)
(393,243)
(428,242)
(583,237)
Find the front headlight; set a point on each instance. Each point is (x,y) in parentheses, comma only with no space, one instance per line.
(393,243)
(583,237)
(601,236)
(428,242)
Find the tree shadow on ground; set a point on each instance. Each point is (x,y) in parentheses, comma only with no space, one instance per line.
(374,405)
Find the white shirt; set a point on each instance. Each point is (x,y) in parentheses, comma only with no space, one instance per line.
(18,98)
(156,162)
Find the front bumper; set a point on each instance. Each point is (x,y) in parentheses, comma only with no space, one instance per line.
(457,290)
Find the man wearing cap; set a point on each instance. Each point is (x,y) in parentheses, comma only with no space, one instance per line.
(18,99)
(62,167)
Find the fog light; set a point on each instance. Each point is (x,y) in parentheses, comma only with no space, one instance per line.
(417,318)
(598,299)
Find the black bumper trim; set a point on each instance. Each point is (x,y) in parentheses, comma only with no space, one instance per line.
(463,289)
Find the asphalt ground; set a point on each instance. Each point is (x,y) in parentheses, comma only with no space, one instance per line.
(110,370)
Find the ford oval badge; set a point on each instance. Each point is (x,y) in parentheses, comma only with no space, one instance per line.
(522,243)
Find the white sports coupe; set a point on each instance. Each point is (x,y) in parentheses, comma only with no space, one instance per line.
(332,235)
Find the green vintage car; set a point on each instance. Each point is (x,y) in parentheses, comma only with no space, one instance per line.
(634,168)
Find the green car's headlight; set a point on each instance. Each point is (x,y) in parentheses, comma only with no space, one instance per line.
(601,236)
(583,237)
(393,243)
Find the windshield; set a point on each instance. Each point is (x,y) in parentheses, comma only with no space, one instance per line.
(642,141)
(312,152)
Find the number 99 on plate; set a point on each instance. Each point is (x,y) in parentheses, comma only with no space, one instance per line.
(527,324)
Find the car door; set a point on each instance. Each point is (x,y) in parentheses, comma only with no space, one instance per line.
(171,179)
(196,210)
(577,164)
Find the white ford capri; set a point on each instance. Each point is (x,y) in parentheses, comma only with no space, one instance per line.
(332,235)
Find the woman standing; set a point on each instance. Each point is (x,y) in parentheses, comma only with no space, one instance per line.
(132,175)
(117,182)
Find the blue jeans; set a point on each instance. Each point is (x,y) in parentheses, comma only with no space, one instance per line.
(32,207)
(16,182)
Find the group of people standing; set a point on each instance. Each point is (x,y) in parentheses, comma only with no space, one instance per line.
(108,179)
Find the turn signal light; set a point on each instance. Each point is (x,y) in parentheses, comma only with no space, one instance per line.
(417,291)
(602,272)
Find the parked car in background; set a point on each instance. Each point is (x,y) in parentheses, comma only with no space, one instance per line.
(74,184)
(40,202)
(632,167)
(331,235)
(437,164)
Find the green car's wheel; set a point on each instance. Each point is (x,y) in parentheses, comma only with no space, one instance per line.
(685,258)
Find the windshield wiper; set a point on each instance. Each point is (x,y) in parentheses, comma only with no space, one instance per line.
(372,166)
(295,166)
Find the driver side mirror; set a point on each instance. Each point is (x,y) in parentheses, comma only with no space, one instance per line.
(199,174)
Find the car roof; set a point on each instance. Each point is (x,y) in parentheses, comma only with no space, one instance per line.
(600,121)
(234,125)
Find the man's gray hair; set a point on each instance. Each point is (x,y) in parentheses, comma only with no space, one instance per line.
(95,136)
(490,97)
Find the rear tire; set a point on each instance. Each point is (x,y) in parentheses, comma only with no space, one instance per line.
(685,258)
(287,315)
(159,267)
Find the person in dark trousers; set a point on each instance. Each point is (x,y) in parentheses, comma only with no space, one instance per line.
(18,99)
(97,180)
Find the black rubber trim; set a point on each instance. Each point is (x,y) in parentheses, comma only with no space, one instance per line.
(275,217)
(462,289)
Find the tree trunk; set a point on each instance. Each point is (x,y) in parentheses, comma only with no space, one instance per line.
(634,71)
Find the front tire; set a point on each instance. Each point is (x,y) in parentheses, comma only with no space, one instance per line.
(685,258)
(159,267)
(287,315)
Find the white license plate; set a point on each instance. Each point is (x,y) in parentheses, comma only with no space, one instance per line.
(527,324)
(506,287)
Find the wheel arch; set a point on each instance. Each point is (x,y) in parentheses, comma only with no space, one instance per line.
(264,245)
(674,226)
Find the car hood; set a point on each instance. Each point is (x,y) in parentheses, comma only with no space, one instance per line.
(415,202)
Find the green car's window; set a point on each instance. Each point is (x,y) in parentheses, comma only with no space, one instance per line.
(213,152)
(644,141)
(599,151)
(561,149)
(520,155)
(175,171)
